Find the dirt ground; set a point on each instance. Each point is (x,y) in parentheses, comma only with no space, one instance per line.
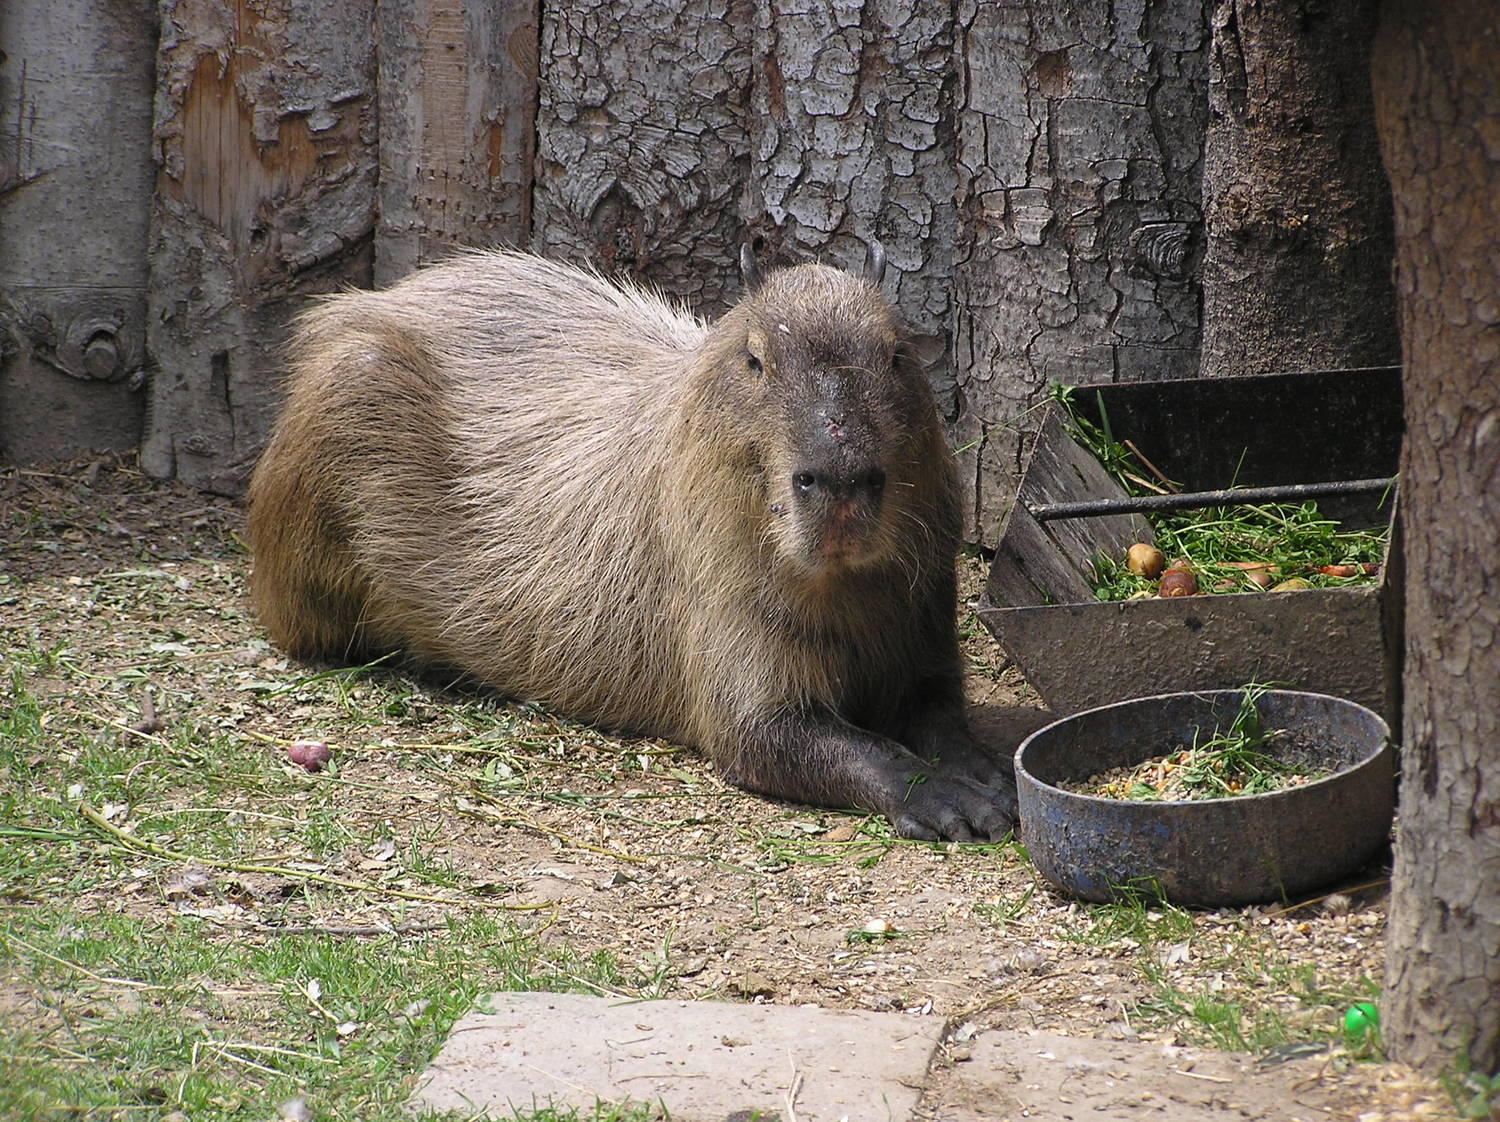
(645,854)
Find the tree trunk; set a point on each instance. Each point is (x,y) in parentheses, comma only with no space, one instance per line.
(1079,132)
(1298,213)
(265,139)
(1437,98)
(75,199)
(850,140)
(641,140)
(457,128)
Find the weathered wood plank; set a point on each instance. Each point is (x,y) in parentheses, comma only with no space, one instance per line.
(265,141)
(75,199)
(1028,570)
(1060,471)
(457,127)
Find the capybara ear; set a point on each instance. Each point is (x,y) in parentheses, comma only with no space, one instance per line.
(749,269)
(907,363)
(874,263)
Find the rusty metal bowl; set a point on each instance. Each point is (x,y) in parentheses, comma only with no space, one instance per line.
(1214,852)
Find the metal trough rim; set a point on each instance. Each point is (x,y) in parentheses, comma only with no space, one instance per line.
(1205,694)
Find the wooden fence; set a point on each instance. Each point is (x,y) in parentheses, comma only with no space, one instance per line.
(176,177)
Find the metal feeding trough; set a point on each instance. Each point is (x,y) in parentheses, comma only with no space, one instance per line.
(1216,852)
(1333,435)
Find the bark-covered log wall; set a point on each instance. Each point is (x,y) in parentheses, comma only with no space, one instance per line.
(1080,132)
(1034,170)
(264,142)
(75,201)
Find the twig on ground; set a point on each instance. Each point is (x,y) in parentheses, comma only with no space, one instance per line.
(1152,468)
(127,841)
(345,929)
(121,726)
(1290,908)
(793,1090)
(149,721)
(87,973)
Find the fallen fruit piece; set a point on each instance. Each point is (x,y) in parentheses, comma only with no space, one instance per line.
(1339,570)
(1178,581)
(1145,560)
(1258,572)
(310,754)
(1291,584)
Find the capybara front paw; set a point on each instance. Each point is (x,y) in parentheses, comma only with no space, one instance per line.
(954,809)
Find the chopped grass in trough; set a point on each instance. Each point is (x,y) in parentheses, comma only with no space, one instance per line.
(1238,760)
(1246,548)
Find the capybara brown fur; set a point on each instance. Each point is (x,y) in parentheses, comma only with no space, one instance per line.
(739,536)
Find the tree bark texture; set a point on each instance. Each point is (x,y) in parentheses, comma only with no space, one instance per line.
(642,146)
(457,128)
(1436,77)
(1033,169)
(1078,145)
(1297,270)
(75,197)
(851,140)
(265,143)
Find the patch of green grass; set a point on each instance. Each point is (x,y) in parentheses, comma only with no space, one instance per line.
(20,721)
(134,1013)
(799,840)
(1473,1093)
(1259,999)
(1136,918)
(123,1004)
(186,788)
(1238,1016)
(1002,913)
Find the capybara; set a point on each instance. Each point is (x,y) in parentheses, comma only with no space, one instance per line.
(739,536)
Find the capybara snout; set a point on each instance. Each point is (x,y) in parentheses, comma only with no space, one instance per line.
(738,536)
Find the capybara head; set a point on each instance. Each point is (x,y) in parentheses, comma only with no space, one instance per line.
(830,409)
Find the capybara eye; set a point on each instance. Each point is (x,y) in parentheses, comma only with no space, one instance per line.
(754,364)
(804,481)
(875,480)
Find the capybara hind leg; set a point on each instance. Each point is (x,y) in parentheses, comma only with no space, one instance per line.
(305,581)
(311,618)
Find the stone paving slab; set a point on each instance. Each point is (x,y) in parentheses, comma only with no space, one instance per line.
(706,1061)
(1041,1077)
